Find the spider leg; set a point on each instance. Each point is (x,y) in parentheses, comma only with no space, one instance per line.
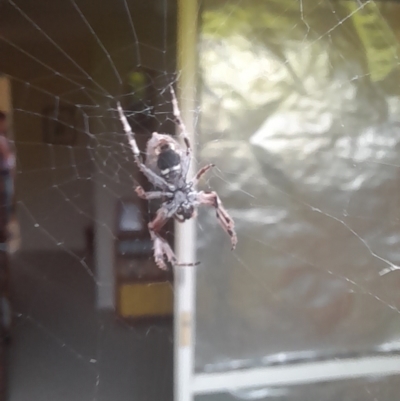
(152,194)
(151,175)
(179,121)
(129,134)
(179,219)
(226,221)
(201,172)
(155,179)
(186,157)
(161,247)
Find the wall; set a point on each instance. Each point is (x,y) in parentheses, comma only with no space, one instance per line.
(61,189)
(46,175)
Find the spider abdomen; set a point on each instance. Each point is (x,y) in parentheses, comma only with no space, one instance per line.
(169,163)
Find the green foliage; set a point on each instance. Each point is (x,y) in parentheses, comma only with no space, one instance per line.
(253,18)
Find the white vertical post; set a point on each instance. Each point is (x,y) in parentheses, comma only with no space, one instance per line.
(185,244)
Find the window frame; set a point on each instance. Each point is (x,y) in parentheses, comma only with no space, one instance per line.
(187,382)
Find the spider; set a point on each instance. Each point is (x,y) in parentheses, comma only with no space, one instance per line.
(166,167)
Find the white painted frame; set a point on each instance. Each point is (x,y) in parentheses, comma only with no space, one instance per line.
(187,383)
(185,277)
(289,375)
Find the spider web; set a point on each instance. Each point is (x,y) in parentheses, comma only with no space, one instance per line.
(68,64)
(299,112)
(298,108)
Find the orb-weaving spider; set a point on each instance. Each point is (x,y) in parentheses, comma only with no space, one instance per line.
(166,167)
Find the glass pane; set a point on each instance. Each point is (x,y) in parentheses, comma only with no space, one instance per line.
(300,113)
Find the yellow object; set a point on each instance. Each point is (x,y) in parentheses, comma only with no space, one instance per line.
(138,82)
(146,299)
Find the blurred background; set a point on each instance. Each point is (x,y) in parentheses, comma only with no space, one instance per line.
(297,103)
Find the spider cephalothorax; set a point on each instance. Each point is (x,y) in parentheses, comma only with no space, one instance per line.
(166,167)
